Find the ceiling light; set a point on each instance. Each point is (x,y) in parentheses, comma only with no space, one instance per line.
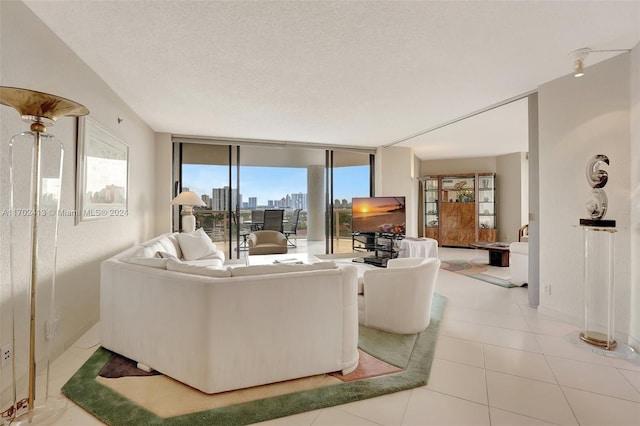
(578,57)
(578,68)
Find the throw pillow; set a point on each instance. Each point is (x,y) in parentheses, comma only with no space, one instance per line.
(177,266)
(165,255)
(195,245)
(170,245)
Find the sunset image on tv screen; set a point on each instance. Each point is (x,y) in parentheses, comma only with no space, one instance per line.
(379,214)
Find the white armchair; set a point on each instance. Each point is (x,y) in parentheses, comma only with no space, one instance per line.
(519,263)
(398,298)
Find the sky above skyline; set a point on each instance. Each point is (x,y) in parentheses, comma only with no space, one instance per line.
(273,183)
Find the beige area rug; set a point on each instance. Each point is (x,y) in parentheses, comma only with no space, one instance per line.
(168,398)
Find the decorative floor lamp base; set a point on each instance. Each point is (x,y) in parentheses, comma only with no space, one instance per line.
(598,339)
(43,415)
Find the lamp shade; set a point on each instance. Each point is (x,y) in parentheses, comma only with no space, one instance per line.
(188,198)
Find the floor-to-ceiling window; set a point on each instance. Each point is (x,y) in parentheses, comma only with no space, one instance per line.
(350,175)
(207,171)
(238,179)
(277,177)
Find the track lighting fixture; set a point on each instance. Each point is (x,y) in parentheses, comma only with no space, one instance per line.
(578,68)
(579,55)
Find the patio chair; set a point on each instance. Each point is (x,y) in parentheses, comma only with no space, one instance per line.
(257,219)
(273,220)
(292,229)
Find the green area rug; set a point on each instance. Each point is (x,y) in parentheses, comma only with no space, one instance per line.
(412,353)
(475,270)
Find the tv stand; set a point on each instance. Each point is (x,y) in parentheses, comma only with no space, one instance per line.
(376,261)
(380,246)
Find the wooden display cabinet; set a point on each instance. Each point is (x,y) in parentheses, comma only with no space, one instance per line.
(460,209)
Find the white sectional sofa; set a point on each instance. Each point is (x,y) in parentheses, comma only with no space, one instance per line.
(218,329)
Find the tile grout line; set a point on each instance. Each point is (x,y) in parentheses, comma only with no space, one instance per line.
(600,394)
(526,415)
(486,382)
(406,406)
(564,395)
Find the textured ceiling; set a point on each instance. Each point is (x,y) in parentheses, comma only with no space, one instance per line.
(338,72)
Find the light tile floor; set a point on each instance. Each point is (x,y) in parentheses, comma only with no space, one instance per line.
(498,362)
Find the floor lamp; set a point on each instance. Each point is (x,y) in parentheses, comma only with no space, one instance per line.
(35,175)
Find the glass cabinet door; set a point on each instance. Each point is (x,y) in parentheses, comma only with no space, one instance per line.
(486,202)
(487,222)
(431,203)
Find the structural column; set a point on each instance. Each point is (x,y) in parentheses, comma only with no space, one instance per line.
(315,203)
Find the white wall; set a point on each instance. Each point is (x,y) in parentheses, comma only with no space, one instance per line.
(396,175)
(635,197)
(511,195)
(458,165)
(34,58)
(578,118)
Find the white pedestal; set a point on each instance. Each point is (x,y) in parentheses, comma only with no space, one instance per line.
(599,286)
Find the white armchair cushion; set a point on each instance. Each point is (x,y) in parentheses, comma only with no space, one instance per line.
(195,245)
(404,262)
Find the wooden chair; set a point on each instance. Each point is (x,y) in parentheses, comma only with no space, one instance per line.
(523,233)
(273,220)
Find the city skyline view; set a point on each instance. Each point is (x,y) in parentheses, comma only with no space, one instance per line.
(273,183)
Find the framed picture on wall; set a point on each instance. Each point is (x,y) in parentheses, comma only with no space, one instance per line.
(102,173)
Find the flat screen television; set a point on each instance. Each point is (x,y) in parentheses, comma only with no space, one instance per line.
(385,215)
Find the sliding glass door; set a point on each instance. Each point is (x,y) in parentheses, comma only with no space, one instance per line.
(280,177)
(349,174)
(208,170)
(237,182)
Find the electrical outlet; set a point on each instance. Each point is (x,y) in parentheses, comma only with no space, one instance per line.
(547,289)
(5,352)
